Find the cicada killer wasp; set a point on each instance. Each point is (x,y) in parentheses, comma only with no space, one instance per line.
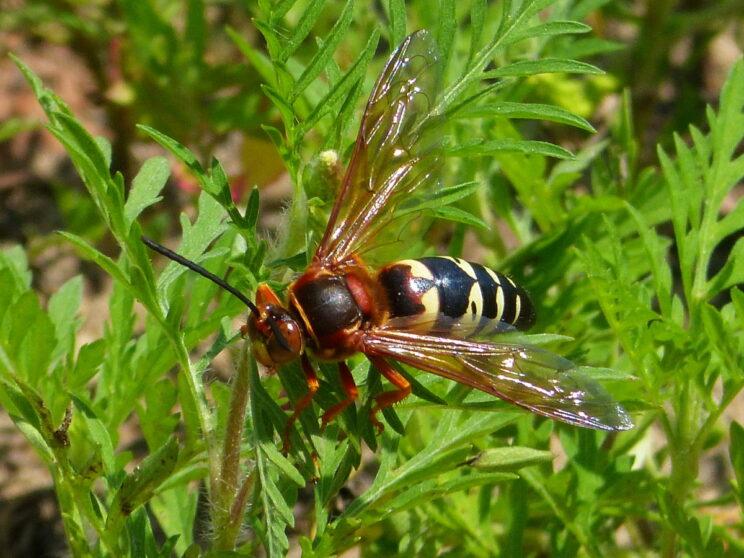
(431,313)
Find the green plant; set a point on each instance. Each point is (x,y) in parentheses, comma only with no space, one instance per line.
(471,476)
(149,62)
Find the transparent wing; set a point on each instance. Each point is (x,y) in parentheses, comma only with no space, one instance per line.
(440,325)
(533,378)
(396,150)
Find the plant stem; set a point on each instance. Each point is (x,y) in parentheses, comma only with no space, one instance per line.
(228,495)
(684,453)
(196,390)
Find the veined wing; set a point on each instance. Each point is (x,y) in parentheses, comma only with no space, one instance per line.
(395,151)
(533,378)
(440,325)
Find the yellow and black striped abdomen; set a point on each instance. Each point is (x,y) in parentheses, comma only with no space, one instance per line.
(440,290)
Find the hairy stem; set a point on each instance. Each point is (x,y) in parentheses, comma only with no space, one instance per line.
(228,494)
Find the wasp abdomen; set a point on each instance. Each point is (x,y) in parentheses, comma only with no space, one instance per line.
(441,290)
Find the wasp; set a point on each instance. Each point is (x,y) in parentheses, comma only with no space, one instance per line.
(436,314)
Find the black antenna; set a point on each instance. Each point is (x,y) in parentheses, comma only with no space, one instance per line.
(160,249)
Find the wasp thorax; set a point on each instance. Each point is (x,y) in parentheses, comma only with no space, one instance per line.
(276,337)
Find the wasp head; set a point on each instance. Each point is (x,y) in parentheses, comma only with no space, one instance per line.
(276,337)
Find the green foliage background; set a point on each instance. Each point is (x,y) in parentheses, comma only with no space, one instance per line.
(617,243)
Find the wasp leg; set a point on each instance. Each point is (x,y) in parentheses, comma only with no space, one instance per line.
(387,398)
(303,403)
(351,391)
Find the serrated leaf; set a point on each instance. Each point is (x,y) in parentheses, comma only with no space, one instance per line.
(175,510)
(479,148)
(737,299)
(105,191)
(440,198)
(156,418)
(445,35)
(336,461)
(727,124)
(250,217)
(274,135)
(511,24)
(284,105)
(451,194)
(550,28)
(297,262)
(543,66)
(35,438)
(397,14)
(15,261)
(273,40)
(89,358)
(260,62)
(63,308)
(477,20)
(7,291)
(602,375)
(276,513)
(732,272)
(656,252)
(511,458)
(337,93)
(325,52)
(457,215)
(280,9)
(82,146)
(139,486)
(182,154)
(146,188)
(533,111)
(426,491)
(305,24)
(717,331)
(29,337)
(21,407)
(100,259)
(448,438)
(730,223)
(50,102)
(97,432)
(104,146)
(280,505)
(283,464)
(473,480)
(196,237)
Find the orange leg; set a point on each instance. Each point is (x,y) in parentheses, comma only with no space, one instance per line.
(387,398)
(304,402)
(351,391)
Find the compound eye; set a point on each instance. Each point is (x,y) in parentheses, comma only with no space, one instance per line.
(285,343)
(276,337)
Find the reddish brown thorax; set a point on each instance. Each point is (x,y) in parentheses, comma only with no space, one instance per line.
(326,312)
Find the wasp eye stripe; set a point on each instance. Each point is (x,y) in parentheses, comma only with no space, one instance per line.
(283,343)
